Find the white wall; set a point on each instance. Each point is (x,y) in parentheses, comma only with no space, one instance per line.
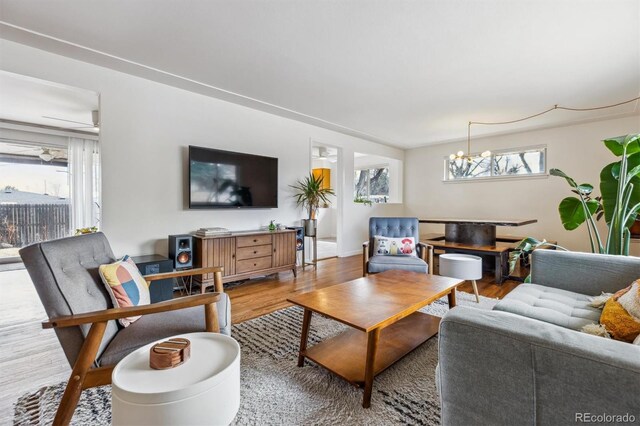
(145,130)
(576,149)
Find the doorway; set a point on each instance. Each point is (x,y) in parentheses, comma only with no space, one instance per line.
(326,162)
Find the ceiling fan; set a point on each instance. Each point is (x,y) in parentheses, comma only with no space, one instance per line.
(46,154)
(95,117)
(324,153)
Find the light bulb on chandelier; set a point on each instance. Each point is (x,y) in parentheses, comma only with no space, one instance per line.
(460,155)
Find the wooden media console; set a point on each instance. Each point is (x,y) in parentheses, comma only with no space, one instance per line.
(245,254)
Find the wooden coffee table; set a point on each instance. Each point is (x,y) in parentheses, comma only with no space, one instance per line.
(381,310)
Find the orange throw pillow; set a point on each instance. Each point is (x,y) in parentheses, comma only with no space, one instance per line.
(620,323)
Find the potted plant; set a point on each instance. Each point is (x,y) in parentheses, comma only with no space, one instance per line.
(619,202)
(310,194)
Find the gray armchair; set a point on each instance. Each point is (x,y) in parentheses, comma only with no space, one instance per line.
(525,362)
(65,274)
(396,227)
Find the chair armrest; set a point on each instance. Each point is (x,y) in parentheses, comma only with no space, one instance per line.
(509,369)
(117,313)
(426,254)
(365,258)
(183,273)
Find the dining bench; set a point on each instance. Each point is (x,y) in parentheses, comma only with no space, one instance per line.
(504,245)
(499,251)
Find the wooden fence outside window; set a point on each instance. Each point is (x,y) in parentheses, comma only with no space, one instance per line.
(24,224)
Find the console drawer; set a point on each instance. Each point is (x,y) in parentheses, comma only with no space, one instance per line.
(253,240)
(250,265)
(252,252)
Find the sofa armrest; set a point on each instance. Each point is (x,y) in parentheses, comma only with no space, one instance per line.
(503,369)
(584,273)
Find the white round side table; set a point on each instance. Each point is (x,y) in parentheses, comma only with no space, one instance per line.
(203,390)
(462,266)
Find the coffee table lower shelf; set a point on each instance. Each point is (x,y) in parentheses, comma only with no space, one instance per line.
(346,354)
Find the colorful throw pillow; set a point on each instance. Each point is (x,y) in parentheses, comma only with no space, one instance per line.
(621,314)
(386,246)
(125,285)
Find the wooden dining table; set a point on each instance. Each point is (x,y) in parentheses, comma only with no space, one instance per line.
(475,231)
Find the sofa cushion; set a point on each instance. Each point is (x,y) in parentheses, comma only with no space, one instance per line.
(560,307)
(150,328)
(407,263)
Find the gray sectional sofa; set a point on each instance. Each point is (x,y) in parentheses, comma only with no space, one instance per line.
(526,363)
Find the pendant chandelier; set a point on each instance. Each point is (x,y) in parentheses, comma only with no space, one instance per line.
(461,155)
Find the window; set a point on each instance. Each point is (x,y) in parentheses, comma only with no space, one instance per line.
(34,195)
(46,190)
(372,185)
(501,164)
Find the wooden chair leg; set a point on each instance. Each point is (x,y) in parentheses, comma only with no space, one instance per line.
(98,377)
(475,290)
(74,387)
(211,318)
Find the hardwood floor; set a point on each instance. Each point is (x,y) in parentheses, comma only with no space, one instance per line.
(31,357)
(262,296)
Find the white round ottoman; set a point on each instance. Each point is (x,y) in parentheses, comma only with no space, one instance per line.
(203,390)
(462,266)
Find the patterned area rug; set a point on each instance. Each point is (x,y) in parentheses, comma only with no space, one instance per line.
(274,391)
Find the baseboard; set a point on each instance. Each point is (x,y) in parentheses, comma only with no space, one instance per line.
(350,253)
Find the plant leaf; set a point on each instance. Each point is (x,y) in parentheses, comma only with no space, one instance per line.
(615,171)
(585,188)
(609,185)
(560,173)
(633,172)
(616,145)
(572,213)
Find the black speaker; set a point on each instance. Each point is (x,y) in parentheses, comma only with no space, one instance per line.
(299,237)
(181,251)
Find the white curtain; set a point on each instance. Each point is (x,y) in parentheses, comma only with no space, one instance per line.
(84,183)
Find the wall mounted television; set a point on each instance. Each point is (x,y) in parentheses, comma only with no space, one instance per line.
(224,179)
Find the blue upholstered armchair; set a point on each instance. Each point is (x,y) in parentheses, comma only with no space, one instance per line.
(395,227)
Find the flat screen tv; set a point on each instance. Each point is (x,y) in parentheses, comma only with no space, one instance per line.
(225,179)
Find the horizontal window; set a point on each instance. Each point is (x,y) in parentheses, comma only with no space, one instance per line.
(500,164)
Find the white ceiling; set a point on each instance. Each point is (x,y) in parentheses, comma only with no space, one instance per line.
(406,73)
(32,100)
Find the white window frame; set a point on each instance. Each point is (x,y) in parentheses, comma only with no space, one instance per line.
(374,167)
(543,174)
